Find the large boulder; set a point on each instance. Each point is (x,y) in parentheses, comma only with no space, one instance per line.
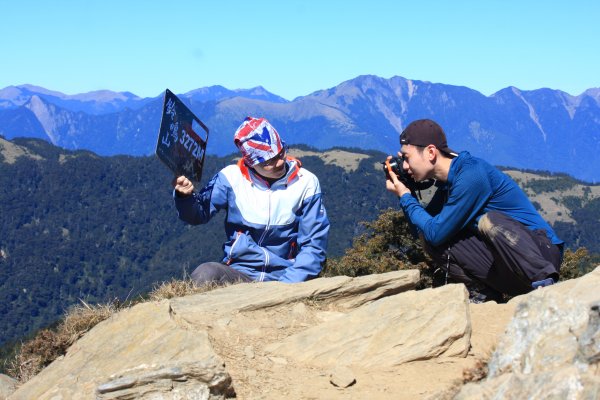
(340,292)
(551,347)
(138,353)
(388,332)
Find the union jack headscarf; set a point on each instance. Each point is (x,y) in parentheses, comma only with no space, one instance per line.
(257,140)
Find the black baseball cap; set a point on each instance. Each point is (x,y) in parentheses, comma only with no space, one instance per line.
(424,132)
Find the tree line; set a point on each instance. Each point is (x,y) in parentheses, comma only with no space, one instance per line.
(75,226)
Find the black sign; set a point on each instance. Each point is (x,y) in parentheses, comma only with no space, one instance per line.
(182,139)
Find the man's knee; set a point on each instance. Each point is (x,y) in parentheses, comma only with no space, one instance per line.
(493,223)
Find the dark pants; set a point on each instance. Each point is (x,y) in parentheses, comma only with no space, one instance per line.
(214,272)
(503,255)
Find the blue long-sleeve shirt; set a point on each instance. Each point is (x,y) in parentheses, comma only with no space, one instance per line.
(474,187)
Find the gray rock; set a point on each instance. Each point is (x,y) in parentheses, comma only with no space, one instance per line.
(545,330)
(181,381)
(342,292)
(589,341)
(391,331)
(559,384)
(551,347)
(136,352)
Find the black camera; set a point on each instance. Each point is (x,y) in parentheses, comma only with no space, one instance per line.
(395,165)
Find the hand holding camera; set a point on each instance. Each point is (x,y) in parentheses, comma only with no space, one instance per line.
(393,165)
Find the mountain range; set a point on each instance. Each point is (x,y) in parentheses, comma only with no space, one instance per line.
(540,129)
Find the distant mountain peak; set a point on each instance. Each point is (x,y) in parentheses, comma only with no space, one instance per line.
(594,93)
(41,90)
(206,90)
(256,89)
(105,96)
(218,93)
(260,93)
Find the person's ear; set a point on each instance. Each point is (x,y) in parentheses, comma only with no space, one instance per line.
(431,152)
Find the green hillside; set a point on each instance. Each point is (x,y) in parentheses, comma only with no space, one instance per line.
(77,226)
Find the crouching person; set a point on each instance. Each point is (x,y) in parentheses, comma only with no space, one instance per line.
(479,227)
(276,224)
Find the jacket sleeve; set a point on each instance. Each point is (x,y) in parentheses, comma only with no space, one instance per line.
(466,199)
(200,207)
(433,208)
(313,231)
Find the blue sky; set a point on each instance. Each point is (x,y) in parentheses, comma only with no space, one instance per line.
(293,48)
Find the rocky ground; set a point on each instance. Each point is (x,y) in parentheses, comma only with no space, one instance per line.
(337,338)
(257,374)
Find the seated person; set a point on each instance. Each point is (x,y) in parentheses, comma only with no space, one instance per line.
(276,223)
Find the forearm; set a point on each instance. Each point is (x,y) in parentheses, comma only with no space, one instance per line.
(433,232)
(190,210)
(198,208)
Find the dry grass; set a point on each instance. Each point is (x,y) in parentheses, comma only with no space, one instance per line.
(349,161)
(10,152)
(179,288)
(49,344)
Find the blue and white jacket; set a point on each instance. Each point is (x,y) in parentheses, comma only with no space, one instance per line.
(275,233)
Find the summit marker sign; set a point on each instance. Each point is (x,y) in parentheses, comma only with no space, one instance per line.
(182,139)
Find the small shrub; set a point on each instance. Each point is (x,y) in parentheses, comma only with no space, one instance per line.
(575,264)
(387,246)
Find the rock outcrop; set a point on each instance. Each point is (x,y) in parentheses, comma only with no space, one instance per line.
(389,332)
(172,349)
(137,353)
(551,348)
(337,338)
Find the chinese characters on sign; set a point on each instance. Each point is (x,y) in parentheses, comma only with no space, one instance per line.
(182,139)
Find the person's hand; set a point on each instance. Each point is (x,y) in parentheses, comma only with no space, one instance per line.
(394,185)
(183,186)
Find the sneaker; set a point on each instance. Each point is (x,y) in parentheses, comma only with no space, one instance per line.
(543,283)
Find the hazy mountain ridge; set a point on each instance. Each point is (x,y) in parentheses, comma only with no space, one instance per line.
(95,103)
(541,129)
(218,92)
